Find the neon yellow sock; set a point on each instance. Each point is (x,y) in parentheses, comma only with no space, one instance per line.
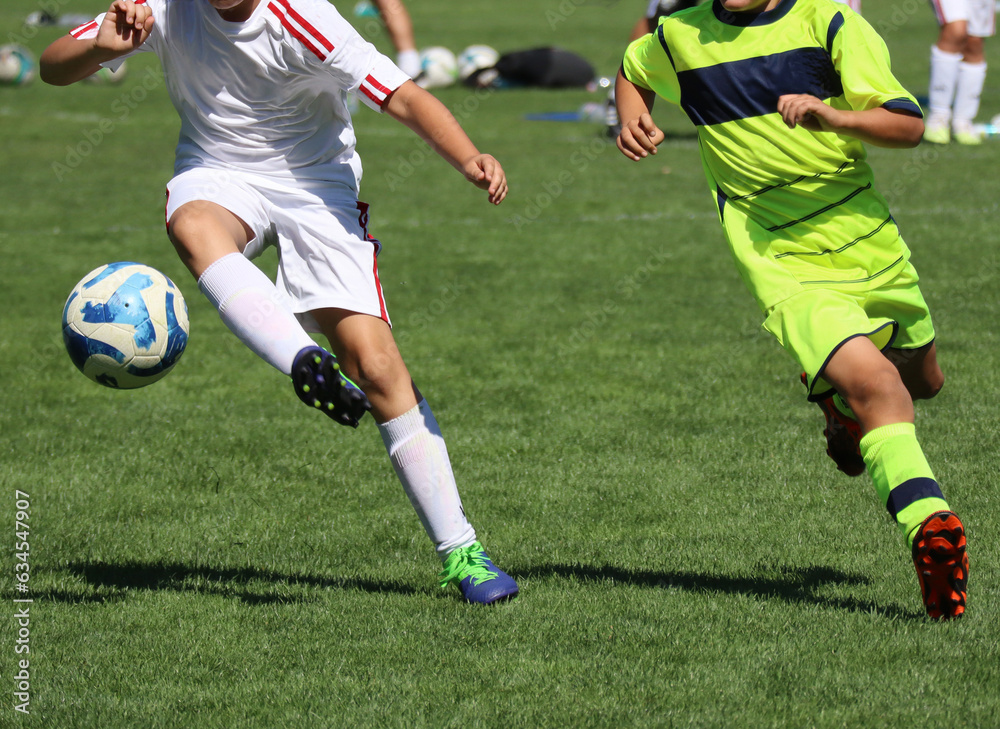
(843,407)
(903,480)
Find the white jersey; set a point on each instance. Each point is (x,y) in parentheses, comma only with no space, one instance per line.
(267,95)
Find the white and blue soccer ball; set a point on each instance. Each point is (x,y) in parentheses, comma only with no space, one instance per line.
(125,325)
(476,58)
(17,65)
(106,77)
(438,68)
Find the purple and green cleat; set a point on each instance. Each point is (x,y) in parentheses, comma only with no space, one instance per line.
(476,576)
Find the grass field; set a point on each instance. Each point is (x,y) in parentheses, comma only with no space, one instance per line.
(631,446)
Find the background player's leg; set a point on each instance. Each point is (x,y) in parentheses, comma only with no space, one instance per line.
(968,89)
(946,56)
(209,238)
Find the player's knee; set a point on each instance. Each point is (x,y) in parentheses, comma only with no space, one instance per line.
(878,385)
(380,371)
(927,387)
(184,228)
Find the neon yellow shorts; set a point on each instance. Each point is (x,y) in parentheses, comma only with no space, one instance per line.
(812,324)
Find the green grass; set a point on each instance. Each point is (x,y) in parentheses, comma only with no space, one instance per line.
(631,446)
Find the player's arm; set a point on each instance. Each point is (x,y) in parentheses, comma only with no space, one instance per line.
(430,119)
(639,135)
(125,27)
(879,126)
(642,26)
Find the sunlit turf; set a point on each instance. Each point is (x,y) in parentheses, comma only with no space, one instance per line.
(630,445)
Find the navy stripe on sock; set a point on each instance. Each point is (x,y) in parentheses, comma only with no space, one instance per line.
(910,491)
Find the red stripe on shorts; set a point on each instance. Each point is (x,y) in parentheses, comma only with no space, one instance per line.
(376,246)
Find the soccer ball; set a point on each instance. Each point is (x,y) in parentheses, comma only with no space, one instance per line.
(476,58)
(438,68)
(105,76)
(125,325)
(17,65)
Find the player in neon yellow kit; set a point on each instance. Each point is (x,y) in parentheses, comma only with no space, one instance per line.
(783,94)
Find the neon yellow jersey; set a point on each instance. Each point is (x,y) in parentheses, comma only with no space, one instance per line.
(803,205)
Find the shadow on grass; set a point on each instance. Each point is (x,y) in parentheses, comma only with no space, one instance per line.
(111,582)
(791,584)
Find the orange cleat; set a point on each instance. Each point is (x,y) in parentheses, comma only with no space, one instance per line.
(942,565)
(843,436)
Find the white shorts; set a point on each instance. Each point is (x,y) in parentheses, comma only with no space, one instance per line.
(326,257)
(980,15)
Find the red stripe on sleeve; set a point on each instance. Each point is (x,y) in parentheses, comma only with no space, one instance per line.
(376,85)
(80,30)
(305,24)
(296,32)
(371,95)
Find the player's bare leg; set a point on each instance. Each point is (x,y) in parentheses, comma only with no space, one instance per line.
(368,353)
(870,385)
(210,240)
(203,232)
(874,389)
(919,370)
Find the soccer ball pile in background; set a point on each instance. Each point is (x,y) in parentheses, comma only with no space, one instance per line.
(125,325)
(439,67)
(17,65)
(476,58)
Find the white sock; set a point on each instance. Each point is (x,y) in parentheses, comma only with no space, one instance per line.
(943,79)
(610,110)
(971,77)
(420,459)
(254,310)
(408,62)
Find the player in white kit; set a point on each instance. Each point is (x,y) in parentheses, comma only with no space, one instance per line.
(958,69)
(266,156)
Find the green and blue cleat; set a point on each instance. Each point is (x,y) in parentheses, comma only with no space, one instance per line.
(320,384)
(476,576)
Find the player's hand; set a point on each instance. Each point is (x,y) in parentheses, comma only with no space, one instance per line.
(126,26)
(640,137)
(485,172)
(809,112)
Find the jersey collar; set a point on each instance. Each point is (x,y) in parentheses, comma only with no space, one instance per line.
(744,20)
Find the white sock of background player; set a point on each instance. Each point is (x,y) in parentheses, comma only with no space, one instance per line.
(409,62)
(968,89)
(254,310)
(943,80)
(420,459)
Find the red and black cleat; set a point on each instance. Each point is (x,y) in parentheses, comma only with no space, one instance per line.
(843,436)
(942,565)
